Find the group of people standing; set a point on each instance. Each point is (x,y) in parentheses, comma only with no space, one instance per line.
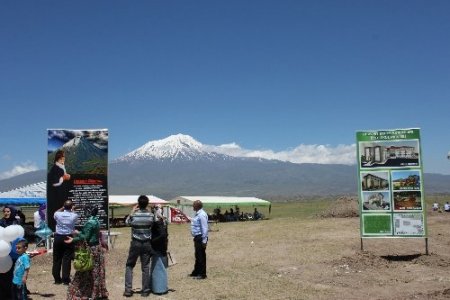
(149,243)
(149,239)
(85,285)
(13,282)
(88,284)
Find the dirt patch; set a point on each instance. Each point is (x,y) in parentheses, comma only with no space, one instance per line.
(343,207)
(366,259)
(287,258)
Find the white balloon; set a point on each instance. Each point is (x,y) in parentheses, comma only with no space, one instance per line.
(5,248)
(20,231)
(5,264)
(13,232)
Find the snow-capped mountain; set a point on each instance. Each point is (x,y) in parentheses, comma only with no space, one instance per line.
(180,165)
(82,156)
(80,146)
(173,148)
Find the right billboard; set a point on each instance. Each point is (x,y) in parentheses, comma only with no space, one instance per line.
(390,180)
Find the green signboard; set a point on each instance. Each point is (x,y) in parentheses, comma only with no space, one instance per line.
(390,180)
(377,224)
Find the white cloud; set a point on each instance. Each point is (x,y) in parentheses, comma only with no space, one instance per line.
(319,154)
(19,169)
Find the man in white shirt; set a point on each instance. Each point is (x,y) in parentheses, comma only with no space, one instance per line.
(65,219)
(199,230)
(447,207)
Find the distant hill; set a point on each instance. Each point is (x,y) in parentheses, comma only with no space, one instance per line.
(22,180)
(179,165)
(238,177)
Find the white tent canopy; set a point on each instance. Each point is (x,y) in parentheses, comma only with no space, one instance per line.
(128,200)
(132,199)
(185,202)
(33,194)
(217,201)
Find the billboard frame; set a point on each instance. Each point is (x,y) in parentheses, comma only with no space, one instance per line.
(390,184)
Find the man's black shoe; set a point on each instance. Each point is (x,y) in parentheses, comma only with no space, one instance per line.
(57,282)
(66,281)
(193,275)
(128,293)
(146,294)
(200,277)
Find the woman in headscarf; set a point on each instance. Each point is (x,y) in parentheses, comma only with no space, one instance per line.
(159,264)
(40,224)
(39,216)
(89,284)
(9,217)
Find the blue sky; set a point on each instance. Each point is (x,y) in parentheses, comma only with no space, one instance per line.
(268,76)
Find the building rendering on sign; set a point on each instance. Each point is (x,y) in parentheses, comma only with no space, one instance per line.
(401,152)
(373,182)
(374,154)
(387,153)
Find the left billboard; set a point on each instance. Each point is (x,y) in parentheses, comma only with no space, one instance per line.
(77,169)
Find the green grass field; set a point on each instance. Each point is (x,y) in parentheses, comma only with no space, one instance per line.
(302,209)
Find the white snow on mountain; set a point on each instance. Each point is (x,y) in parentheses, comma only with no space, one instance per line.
(172,148)
(185,147)
(36,190)
(73,142)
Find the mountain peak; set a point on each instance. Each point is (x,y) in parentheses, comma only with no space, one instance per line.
(180,141)
(174,147)
(74,142)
